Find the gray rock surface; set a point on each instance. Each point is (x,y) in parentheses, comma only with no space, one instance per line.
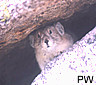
(78,60)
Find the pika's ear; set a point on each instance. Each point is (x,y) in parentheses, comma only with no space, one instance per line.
(31,39)
(59,27)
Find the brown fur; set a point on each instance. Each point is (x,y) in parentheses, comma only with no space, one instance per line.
(49,42)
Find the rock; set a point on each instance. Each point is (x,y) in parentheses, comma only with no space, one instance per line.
(79,60)
(19,18)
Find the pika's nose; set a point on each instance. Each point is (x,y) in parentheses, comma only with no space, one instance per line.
(46,41)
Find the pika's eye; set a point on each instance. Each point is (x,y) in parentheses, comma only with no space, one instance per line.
(50,32)
(38,36)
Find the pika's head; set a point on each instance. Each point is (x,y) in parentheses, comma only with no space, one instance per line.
(49,38)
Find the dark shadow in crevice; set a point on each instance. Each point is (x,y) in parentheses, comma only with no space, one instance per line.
(19,66)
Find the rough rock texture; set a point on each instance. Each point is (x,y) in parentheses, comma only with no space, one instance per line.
(78,60)
(18,18)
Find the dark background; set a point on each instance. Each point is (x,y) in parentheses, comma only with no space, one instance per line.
(19,66)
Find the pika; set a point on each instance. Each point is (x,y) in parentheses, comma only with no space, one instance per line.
(50,42)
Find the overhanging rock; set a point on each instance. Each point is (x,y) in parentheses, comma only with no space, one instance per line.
(18,18)
(79,60)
